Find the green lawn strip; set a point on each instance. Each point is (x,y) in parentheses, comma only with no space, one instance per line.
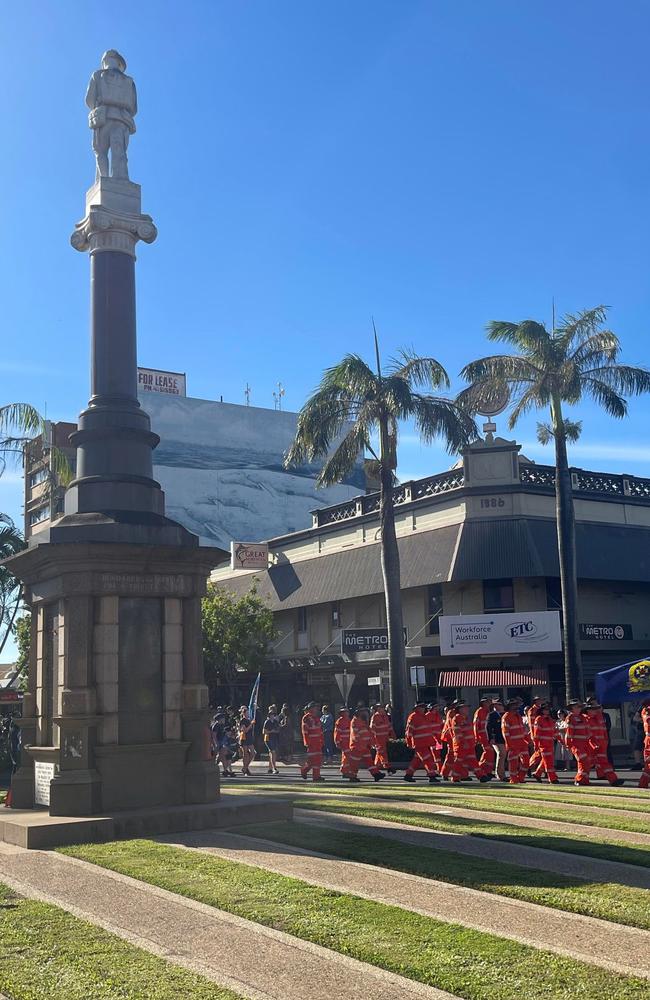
(536,793)
(471,964)
(47,954)
(594,847)
(620,904)
(438,796)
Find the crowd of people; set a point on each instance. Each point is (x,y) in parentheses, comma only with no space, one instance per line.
(499,741)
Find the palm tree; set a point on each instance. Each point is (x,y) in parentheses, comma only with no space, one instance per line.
(11,542)
(19,423)
(363,405)
(576,359)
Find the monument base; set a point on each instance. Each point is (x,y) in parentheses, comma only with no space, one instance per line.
(37,830)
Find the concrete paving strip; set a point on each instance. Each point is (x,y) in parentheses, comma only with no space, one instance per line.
(615,947)
(254,961)
(485,816)
(590,869)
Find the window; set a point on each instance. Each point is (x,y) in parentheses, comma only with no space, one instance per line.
(553,593)
(302,640)
(336,614)
(39,476)
(38,515)
(498,595)
(434,608)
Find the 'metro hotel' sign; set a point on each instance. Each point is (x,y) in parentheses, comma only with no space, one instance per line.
(365,640)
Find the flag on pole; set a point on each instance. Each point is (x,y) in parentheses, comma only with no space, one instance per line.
(624,683)
(252,704)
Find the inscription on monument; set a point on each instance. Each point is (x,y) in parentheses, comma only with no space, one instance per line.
(43,774)
(133,583)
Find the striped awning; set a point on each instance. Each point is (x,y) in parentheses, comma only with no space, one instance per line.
(503,677)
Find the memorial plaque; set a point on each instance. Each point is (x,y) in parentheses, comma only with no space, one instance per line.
(43,774)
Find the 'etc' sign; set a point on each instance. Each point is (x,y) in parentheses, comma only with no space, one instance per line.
(527,632)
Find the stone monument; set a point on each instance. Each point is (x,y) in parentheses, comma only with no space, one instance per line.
(115,715)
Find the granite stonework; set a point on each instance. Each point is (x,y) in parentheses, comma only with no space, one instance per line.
(116,698)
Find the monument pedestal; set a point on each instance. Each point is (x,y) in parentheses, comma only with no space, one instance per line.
(117,700)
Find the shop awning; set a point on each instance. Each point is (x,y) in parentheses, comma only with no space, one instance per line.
(503,677)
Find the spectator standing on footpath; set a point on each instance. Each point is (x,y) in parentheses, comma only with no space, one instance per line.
(495,735)
(327,722)
(271,733)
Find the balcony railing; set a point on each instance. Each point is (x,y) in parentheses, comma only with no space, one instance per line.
(532,477)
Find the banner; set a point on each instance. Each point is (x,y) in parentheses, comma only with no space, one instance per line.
(518,632)
(625,683)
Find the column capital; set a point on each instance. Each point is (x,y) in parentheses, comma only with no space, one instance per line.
(113,220)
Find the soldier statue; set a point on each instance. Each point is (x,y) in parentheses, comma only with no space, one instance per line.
(112,100)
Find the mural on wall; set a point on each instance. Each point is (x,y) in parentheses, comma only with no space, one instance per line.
(220,466)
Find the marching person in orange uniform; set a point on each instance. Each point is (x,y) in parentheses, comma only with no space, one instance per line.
(532,712)
(361,740)
(488,756)
(446,740)
(464,744)
(312,737)
(544,738)
(516,740)
(598,742)
(419,737)
(644,780)
(382,731)
(578,740)
(342,740)
(435,722)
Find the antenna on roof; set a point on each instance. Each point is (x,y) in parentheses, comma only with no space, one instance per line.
(247,393)
(277,396)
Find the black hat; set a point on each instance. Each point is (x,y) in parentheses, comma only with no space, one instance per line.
(420,704)
(572,702)
(310,704)
(512,702)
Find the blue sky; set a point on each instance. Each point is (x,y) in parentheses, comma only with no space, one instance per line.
(310,165)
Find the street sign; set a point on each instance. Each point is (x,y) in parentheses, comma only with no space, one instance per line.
(418,676)
(345,682)
(365,640)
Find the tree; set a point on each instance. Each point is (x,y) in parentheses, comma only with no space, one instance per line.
(11,592)
(236,633)
(19,424)
(575,360)
(374,403)
(22,633)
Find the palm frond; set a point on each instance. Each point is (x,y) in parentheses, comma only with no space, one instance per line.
(505,368)
(603,394)
(572,430)
(21,418)
(342,461)
(580,326)
(319,423)
(436,417)
(529,336)
(528,400)
(416,371)
(625,379)
(601,347)
(352,377)
(545,433)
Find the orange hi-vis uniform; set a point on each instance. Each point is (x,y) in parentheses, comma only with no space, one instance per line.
(545,735)
(342,742)
(382,731)
(578,741)
(644,780)
(435,722)
(464,744)
(516,741)
(312,737)
(445,737)
(419,737)
(488,756)
(532,714)
(361,740)
(598,742)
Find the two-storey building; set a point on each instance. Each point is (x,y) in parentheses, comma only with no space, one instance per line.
(478,541)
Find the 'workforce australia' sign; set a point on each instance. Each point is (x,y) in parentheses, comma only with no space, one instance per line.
(526,632)
(365,640)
